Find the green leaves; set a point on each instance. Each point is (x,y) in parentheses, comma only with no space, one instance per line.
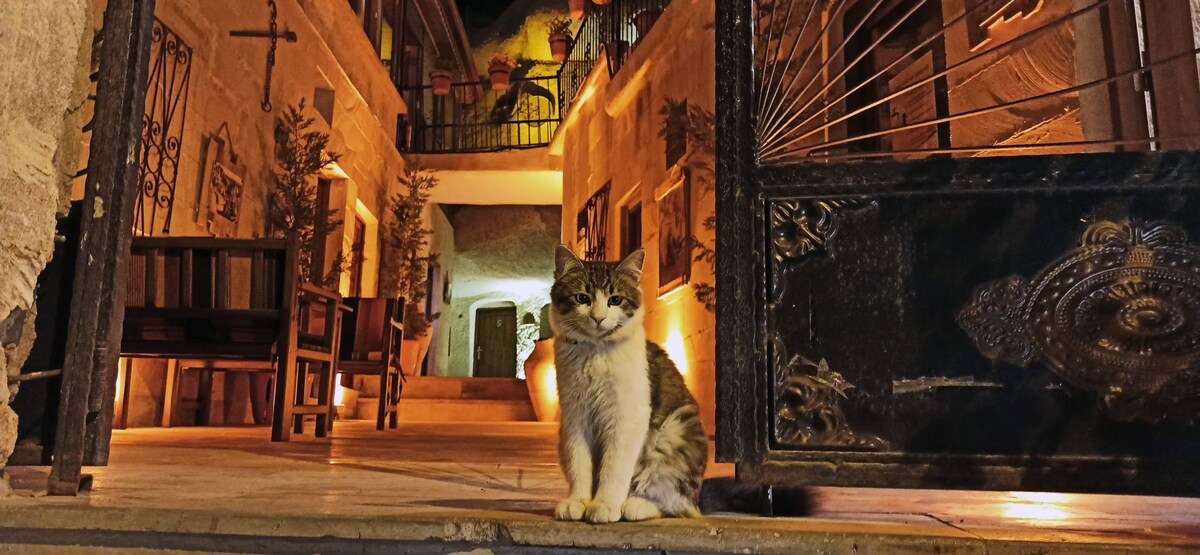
(301,153)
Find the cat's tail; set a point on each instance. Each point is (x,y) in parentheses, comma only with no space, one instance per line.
(727,495)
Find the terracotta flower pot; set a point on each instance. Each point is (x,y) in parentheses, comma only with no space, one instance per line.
(559,44)
(601,2)
(577,8)
(441,81)
(499,74)
(413,353)
(541,379)
(645,20)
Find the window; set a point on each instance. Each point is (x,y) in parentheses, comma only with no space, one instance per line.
(631,229)
(323,103)
(591,232)
(358,256)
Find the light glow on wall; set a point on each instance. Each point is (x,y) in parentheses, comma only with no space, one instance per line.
(339,392)
(1034,506)
(676,349)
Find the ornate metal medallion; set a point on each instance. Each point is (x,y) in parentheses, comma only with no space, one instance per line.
(1119,316)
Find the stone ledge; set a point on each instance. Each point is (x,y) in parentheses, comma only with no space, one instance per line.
(25,520)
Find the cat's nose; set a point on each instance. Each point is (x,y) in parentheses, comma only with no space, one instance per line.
(598,321)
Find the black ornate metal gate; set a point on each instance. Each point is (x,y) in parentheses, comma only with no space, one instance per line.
(958,248)
(162,130)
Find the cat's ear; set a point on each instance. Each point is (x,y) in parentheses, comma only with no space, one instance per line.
(565,261)
(633,263)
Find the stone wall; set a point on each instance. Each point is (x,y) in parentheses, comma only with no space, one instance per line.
(612,135)
(223,111)
(502,255)
(44,53)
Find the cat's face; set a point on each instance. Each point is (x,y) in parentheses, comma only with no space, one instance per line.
(595,301)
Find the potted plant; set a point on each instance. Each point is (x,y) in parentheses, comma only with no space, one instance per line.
(409,242)
(440,78)
(644,20)
(578,9)
(301,153)
(560,37)
(500,66)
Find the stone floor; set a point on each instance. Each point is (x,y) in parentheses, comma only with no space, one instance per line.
(448,487)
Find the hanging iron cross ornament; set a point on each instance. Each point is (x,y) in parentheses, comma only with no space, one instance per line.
(271,33)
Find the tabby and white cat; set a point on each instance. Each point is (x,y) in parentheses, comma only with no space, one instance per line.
(631,444)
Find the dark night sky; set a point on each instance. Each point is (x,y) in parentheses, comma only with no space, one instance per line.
(479,13)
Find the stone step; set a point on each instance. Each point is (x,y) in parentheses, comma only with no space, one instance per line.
(452,410)
(426,387)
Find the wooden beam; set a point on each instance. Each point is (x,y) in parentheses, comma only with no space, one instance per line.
(98,302)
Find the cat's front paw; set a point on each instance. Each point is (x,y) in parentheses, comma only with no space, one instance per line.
(570,509)
(602,512)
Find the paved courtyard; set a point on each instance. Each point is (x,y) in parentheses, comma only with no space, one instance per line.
(448,486)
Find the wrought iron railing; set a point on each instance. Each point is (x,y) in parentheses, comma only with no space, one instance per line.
(475,118)
(613,30)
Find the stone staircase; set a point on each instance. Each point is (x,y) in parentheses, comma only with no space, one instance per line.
(438,399)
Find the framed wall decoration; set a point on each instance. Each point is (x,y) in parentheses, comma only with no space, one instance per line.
(224,200)
(674,231)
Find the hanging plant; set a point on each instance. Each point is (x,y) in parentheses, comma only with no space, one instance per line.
(440,78)
(500,66)
(578,8)
(559,29)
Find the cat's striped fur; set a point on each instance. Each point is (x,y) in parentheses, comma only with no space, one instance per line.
(631,445)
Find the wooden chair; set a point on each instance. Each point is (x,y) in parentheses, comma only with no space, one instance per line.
(371,344)
(182,304)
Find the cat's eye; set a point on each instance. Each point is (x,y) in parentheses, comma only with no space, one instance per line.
(614,300)
(583,299)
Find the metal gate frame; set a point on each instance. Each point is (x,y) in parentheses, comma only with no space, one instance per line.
(98,301)
(745,393)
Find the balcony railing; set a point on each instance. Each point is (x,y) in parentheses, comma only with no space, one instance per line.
(475,118)
(613,31)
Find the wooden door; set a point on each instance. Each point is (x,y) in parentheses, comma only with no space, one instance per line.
(496,343)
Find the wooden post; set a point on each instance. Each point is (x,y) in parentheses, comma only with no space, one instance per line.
(98,302)
(285,353)
(171,393)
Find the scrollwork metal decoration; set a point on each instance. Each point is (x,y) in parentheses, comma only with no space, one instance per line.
(162,129)
(1118,316)
(801,228)
(808,410)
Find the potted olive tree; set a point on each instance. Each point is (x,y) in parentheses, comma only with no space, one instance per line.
(408,240)
(301,152)
(560,37)
(500,67)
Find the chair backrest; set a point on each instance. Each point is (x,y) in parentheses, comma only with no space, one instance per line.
(197,272)
(190,297)
(374,330)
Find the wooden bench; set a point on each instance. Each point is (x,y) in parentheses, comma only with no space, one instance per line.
(235,304)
